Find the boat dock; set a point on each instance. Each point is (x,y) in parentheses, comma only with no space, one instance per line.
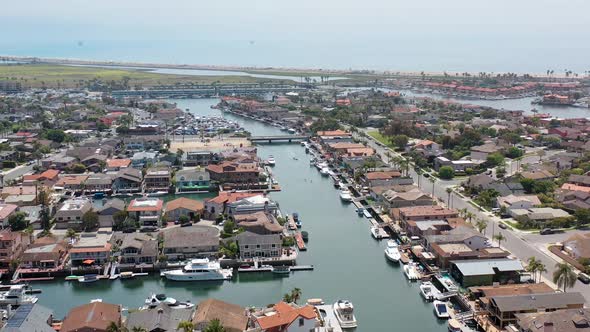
(382,234)
(326,312)
(291,223)
(268,268)
(299,241)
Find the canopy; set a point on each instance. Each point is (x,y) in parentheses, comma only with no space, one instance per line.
(88,261)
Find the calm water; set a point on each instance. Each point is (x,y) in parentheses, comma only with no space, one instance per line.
(349,263)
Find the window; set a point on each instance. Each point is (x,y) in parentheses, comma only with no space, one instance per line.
(301,321)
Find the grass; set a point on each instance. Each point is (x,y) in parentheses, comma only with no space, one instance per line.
(380,138)
(53,76)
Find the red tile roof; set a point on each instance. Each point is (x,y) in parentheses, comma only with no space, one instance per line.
(230,197)
(118,162)
(285,315)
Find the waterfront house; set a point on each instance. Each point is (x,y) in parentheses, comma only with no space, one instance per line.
(7,210)
(379,177)
(183,207)
(98,183)
(162,318)
(460,234)
(157,179)
(329,136)
(252,204)
(71,183)
(192,180)
(218,205)
(115,165)
(58,162)
(235,174)
(424,213)
(254,245)
(108,210)
(128,180)
(29,317)
(445,253)
(568,320)
(69,215)
(422,228)
(181,243)
(233,317)
(146,210)
(143,159)
(45,255)
(413,197)
(260,222)
(285,317)
(91,249)
(95,162)
(502,310)
(485,272)
(200,158)
(12,245)
(136,248)
(92,317)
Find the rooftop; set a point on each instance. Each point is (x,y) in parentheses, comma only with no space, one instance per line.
(487,266)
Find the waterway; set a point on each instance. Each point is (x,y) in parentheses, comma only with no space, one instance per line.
(349,263)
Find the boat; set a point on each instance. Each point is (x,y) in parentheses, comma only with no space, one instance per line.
(454,325)
(360,212)
(127,275)
(87,278)
(321,165)
(344,312)
(315,301)
(345,196)
(271,161)
(367,214)
(296,219)
(304,236)
(155,300)
(199,270)
(392,252)
(98,195)
(157,193)
(16,295)
(426,290)
(375,233)
(283,270)
(441,309)
(291,131)
(325,171)
(411,272)
(72,278)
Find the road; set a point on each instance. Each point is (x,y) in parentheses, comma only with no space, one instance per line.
(17,172)
(516,242)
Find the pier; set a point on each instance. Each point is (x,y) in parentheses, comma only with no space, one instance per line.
(278,138)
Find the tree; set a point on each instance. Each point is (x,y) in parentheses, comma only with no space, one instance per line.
(214,326)
(400,141)
(186,326)
(114,327)
(481,225)
(495,159)
(229,249)
(18,221)
(514,152)
(499,237)
(449,190)
(295,294)
(56,135)
(564,276)
(446,172)
(90,220)
(533,267)
(71,234)
(582,216)
(183,219)
(138,329)
(78,168)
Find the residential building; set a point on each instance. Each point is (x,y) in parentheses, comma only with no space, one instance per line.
(285,317)
(181,243)
(260,222)
(233,318)
(157,179)
(95,162)
(12,245)
(540,215)
(240,173)
(7,210)
(143,142)
(578,246)
(143,159)
(512,202)
(91,249)
(137,248)
(427,148)
(72,183)
(92,317)
(424,213)
(44,256)
(460,234)
(60,163)
(98,183)
(183,207)
(162,318)
(218,205)
(486,271)
(422,228)
(482,152)
(30,317)
(47,178)
(69,215)
(148,211)
(115,165)
(254,245)
(108,210)
(414,197)
(200,158)
(128,180)
(568,320)
(252,204)
(457,165)
(192,180)
(538,175)
(446,253)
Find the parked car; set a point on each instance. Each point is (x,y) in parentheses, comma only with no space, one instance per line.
(502,225)
(546,231)
(148,229)
(583,277)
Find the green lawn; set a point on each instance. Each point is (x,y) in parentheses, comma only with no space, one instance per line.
(382,139)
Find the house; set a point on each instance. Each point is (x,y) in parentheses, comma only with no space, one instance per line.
(233,317)
(456,165)
(405,214)
(157,179)
(512,202)
(285,317)
(12,245)
(503,309)
(484,272)
(413,197)
(137,248)
(69,215)
(91,249)
(580,180)
(578,246)
(44,256)
(566,132)
(192,180)
(60,163)
(143,159)
(161,318)
(95,162)
(17,191)
(181,243)
(458,235)
(254,245)
(108,210)
(98,183)
(146,210)
(143,142)
(379,176)
(218,205)
(568,320)
(183,207)
(540,215)
(538,175)
(7,210)
(479,181)
(128,180)
(47,178)
(115,165)
(240,174)
(252,204)
(260,222)
(427,148)
(29,317)
(482,152)
(73,183)
(95,317)
(422,228)
(445,253)
(200,158)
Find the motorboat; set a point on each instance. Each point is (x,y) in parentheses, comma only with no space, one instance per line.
(426,289)
(297,220)
(16,295)
(344,312)
(454,325)
(271,161)
(88,278)
(291,131)
(392,251)
(127,275)
(325,171)
(283,270)
(411,271)
(367,214)
(321,165)
(199,270)
(157,193)
(441,310)
(155,300)
(345,195)
(375,233)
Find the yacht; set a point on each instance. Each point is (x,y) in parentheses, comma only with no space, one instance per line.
(270,161)
(367,214)
(345,315)
(87,278)
(411,271)
(392,252)
(441,309)
(321,165)
(282,270)
(426,289)
(325,171)
(375,232)
(156,299)
(16,295)
(297,220)
(345,195)
(199,270)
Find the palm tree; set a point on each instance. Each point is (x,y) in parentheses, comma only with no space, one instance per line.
(214,326)
(469,216)
(186,326)
(287,298)
(71,234)
(433,180)
(533,267)
(449,190)
(481,226)
(499,237)
(564,276)
(139,329)
(541,268)
(463,212)
(295,294)
(419,172)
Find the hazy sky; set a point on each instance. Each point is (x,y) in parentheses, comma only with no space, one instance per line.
(368,31)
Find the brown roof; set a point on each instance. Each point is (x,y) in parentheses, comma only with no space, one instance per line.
(516,289)
(118,162)
(433,211)
(91,317)
(231,316)
(570,320)
(333,133)
(71,179)
(185,203)
(230,197)
(382,175)
(261,219)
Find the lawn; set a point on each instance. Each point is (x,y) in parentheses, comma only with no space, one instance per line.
(382,139)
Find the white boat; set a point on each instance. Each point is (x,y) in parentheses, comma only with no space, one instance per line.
(392,251)
(321,164)
(345,195)
(271,161)
(157,193)
(441,310)
(291,131)
(88,278)
(199,270)
(156,299)
(426,289)
(283,270)
(325,171)
(127,275)
(367,214)
(375,233)
(344,312)
(411,271)
(16,295)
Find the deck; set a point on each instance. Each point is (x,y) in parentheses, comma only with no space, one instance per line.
(329,318)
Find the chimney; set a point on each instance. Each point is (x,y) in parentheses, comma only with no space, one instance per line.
(548,327)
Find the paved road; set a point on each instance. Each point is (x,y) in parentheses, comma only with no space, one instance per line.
(17,172)
(516,242)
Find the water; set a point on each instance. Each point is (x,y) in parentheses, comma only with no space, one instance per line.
(349,263)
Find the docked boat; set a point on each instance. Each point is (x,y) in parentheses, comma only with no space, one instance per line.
(441,309)
(426,289)
(271,161)
(345,196)
(88,278)
(291,131)
(325,171)
(297,220)
(321,165)
(156,299)
(157,193)
(16,295)
(344,312)
(392,251)
(283,270)
(411,271)
(367,214)
(454,325)
(199,270)
(375,233)
(127,275)
(72,278)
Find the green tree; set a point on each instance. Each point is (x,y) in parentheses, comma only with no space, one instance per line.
(229,249)
(446,172)
(78,168)
(89,220)
(514,152)
(481,225)
(186,326)
(582,216)
(495,159)
(228,227)
(499,237)
(295,294)
(138,329)
(564,276)
(18,221)
(71,234)
(400,141)
(214,326)
(56,135)
(114,327)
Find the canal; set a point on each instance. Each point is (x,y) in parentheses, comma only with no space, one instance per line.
(349,263)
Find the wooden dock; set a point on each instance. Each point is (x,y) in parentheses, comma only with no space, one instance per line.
(300,242)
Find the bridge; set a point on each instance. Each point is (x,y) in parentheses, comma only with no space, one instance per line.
(193,91)
(280,138)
